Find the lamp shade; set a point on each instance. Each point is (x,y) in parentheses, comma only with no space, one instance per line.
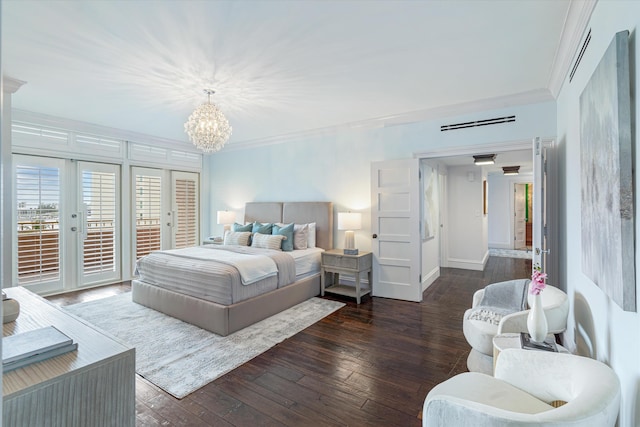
(349,221)
(226,217)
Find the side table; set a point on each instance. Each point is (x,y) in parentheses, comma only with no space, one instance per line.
(336,262)
(512,340)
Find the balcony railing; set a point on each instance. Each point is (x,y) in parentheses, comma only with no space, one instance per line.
(39,245)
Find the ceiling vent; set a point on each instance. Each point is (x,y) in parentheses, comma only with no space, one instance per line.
(477,123)
(580,55)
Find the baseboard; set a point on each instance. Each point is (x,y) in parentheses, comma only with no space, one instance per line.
(500,245)
(468,264)
(430,277)
(485,259)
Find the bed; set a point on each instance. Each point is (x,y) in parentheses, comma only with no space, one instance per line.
(185,296)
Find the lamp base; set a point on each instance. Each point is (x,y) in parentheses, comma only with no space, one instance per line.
(350,243)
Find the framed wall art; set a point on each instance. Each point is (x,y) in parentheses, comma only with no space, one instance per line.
(607,211)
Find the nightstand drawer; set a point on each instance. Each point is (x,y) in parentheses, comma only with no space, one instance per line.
(332,260)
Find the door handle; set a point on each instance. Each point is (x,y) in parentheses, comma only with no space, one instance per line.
(540,251)
(375,236)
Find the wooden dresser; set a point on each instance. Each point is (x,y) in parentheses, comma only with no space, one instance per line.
(93,386)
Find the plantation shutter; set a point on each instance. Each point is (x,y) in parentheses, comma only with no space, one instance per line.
(148,211)
(100,200)
(37,200)
(186,207)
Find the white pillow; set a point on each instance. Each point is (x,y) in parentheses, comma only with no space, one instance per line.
(300,236)
(311,237)
(267,241)
(237,238)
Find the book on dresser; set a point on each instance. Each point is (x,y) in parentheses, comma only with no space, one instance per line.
(34,346)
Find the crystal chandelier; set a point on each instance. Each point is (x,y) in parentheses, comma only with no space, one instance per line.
(207,127)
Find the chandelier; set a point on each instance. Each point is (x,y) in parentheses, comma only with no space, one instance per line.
(207,127)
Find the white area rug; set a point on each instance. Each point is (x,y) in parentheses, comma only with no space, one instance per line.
(179,357)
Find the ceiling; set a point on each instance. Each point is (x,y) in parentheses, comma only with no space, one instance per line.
(278,67)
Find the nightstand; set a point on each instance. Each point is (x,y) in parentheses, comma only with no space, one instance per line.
(335,261)
(212,242)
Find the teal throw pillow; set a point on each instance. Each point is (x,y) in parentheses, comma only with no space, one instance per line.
(240,227)
(262,228)
(287,231)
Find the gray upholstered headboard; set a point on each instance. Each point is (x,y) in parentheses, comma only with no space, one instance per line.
(298,212)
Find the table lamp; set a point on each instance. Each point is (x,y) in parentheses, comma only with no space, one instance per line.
(226,218)
(349,221)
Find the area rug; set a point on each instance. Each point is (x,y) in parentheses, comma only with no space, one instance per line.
(179,357)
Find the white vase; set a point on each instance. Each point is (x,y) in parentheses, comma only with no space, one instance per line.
(537,321)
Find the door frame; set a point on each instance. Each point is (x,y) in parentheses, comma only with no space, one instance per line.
(547,222)
(525,179)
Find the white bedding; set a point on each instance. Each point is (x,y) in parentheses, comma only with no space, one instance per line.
(194,275)
(252,267)
(307,260)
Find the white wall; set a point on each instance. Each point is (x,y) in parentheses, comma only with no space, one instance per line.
(598,327)
(501,224)
(467,228)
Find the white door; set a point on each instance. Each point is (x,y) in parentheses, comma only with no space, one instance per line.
(166,213)
(97,223)
(395,224)
(67,223)
(41,232)
(519,224)
(541,150)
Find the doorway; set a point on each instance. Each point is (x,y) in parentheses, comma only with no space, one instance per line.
(523,216)
(471,231)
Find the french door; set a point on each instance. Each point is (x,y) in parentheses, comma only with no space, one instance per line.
(166,213)
(67,223)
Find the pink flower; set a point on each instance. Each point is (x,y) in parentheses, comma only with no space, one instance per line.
(537,282)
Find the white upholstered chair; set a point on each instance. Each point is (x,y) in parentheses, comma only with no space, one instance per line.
(526,384)
(479,334)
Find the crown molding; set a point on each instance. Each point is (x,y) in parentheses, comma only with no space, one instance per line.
(575,24)
(11,85)
(100,130)
(524,98)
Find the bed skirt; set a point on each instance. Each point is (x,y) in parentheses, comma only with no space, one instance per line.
(224,319)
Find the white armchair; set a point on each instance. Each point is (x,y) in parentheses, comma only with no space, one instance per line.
(526,384)
(479,334)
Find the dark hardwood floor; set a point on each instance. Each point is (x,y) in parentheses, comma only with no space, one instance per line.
(371,364)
